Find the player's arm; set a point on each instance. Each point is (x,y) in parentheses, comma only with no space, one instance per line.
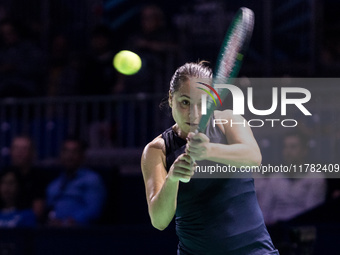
(162,187)
(241,150)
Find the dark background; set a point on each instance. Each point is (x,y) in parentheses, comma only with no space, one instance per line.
(291,39)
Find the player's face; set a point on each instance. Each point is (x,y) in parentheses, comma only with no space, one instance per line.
(186,104)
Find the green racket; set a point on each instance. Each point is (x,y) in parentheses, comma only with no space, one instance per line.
(230,57)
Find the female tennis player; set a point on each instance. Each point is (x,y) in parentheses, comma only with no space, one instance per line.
(213,216)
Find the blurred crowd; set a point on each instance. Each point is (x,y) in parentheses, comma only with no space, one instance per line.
(75,195)
(60,68)
(72,194)
(28,70)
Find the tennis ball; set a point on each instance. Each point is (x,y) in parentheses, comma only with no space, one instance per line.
(127,62)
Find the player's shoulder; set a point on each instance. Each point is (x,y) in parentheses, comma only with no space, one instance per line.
(153,153)
(157,145)
(226,114)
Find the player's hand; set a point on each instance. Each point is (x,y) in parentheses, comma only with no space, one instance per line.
(197,146)
(182,169)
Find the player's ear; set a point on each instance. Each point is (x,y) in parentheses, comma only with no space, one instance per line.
(170,99)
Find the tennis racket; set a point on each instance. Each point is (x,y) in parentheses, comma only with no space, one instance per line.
(230,57)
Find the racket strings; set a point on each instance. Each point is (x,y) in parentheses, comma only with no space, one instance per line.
(230,57)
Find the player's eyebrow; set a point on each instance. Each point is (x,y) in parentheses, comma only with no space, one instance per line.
(183,95)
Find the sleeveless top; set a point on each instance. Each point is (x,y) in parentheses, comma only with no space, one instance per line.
(217,216)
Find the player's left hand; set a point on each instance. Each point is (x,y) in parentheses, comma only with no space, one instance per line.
(197,146)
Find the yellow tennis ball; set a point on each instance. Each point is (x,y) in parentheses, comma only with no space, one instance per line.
(127,62)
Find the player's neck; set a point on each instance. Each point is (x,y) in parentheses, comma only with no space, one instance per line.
(180,133)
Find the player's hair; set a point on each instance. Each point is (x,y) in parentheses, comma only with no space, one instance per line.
(184,72)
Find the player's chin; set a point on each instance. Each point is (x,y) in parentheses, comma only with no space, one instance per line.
(186,127)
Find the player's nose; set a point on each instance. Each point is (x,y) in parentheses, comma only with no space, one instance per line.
(195,112)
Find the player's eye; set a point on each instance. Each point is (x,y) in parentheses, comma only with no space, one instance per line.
(186,102)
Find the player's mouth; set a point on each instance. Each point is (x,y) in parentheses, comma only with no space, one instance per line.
(192,124)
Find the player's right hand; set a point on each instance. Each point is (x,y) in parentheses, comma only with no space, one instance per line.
(182,169)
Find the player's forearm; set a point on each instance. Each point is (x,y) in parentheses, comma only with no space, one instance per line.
(235,154)
(162,206)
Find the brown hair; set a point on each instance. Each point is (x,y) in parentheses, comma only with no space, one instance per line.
(184,72)
(195,70)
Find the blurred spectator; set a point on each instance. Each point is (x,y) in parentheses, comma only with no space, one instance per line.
(330,55)
(77,196)
(156,45)
(98,76)
(33,179)
(63,74)
(286,195)
(333,189)
(21,63)
(154,36)
(329,41)
(3,12)
(12,212)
